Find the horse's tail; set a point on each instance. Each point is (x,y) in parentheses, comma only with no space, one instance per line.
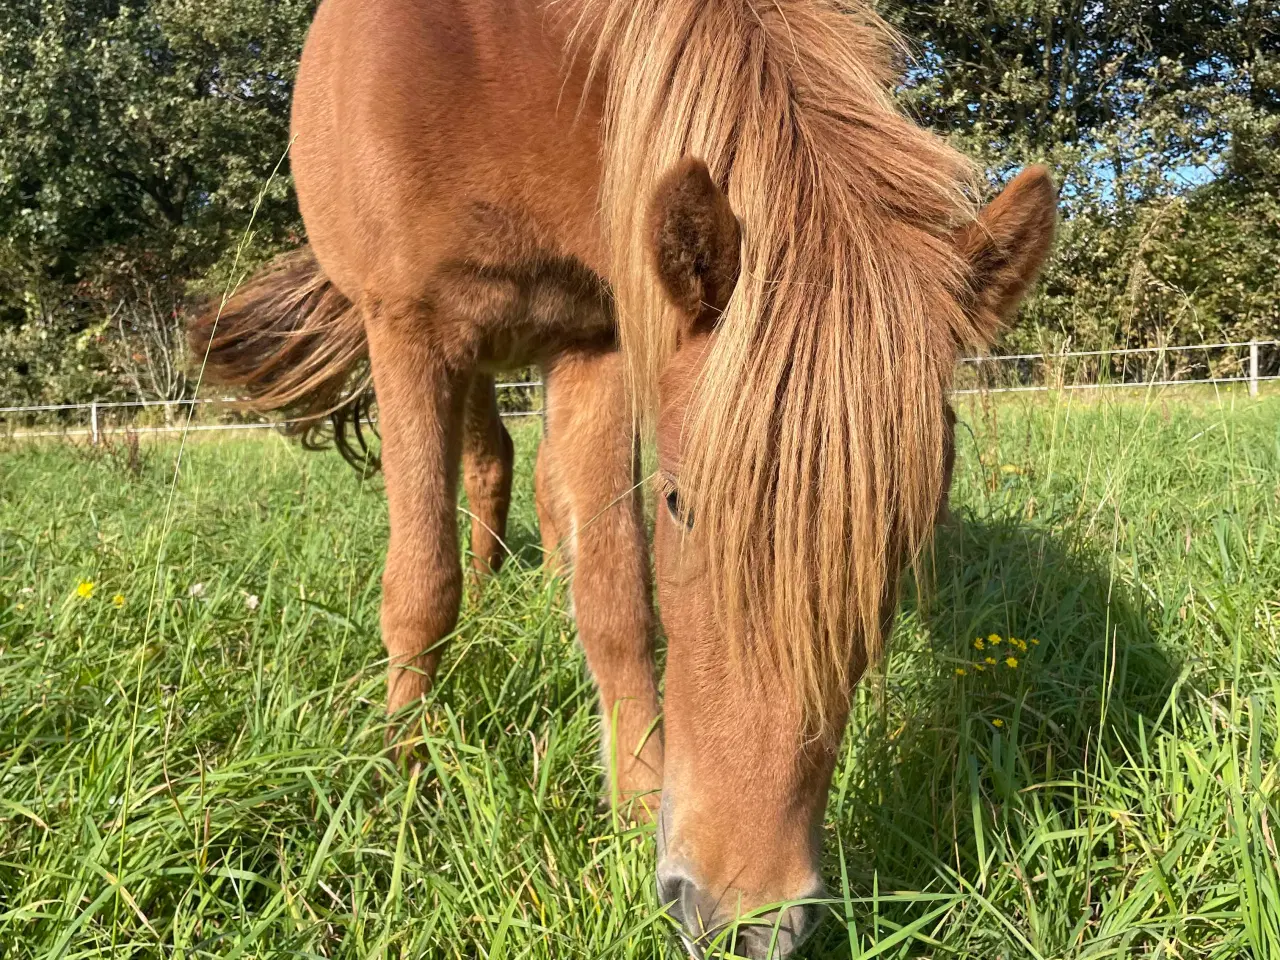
(289,342)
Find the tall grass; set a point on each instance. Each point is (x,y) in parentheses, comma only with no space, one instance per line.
(191,765)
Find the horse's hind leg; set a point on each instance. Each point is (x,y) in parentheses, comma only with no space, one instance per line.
(488,456)
(590,468)
(420,406)
(545,497)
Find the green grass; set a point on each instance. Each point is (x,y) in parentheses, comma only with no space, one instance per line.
(186,776)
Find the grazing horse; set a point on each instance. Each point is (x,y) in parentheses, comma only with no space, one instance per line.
(704,218)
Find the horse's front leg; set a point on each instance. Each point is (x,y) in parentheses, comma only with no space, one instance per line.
(588,469)
(420,407)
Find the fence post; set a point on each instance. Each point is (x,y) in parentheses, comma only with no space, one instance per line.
(1253,369)
(93,422)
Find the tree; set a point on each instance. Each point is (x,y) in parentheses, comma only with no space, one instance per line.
(136,140)
(1162,122)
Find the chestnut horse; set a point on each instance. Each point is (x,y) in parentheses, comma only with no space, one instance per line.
(701,216)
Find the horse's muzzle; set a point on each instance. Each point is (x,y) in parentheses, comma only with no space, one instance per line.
(710,928)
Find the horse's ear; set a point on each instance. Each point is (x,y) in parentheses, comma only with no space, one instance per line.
(1005,248)
(693,240)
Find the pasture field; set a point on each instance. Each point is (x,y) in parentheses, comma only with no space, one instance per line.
(191,729)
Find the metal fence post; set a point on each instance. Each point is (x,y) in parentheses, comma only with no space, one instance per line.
(1253,369)
(93,422)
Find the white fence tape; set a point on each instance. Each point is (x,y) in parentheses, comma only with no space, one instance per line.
(1121,351)
(1251,378)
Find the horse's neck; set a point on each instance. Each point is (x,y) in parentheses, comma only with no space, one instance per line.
(469,108)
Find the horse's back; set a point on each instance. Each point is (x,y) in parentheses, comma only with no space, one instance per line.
(427,132)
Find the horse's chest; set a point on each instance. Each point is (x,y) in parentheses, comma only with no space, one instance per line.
(511,301)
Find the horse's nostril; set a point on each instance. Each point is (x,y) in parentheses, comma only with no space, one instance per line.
(686,906)
(776,936)
(683,902)
(669,883)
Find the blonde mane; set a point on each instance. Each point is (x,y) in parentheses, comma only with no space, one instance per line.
(814,449)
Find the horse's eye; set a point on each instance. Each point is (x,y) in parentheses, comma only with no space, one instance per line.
(677,511)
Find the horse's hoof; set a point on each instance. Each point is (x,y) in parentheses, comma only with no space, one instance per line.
(403,743)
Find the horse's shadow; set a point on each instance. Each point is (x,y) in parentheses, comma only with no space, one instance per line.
(949,729)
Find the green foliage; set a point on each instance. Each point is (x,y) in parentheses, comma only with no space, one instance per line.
(134,142)
(1162,125)
(142,130)
(199,771)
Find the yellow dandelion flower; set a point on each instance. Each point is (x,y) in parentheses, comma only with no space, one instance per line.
(978,644)
(1011,663)
(1035,642)
(979,667)
(84,590)
(991,660)
(959,671)
(997,722)
(118,601)
(994,639)
(20,607)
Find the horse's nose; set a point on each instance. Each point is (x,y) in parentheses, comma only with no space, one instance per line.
(708,929)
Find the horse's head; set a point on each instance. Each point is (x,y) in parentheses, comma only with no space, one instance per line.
(746,774)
